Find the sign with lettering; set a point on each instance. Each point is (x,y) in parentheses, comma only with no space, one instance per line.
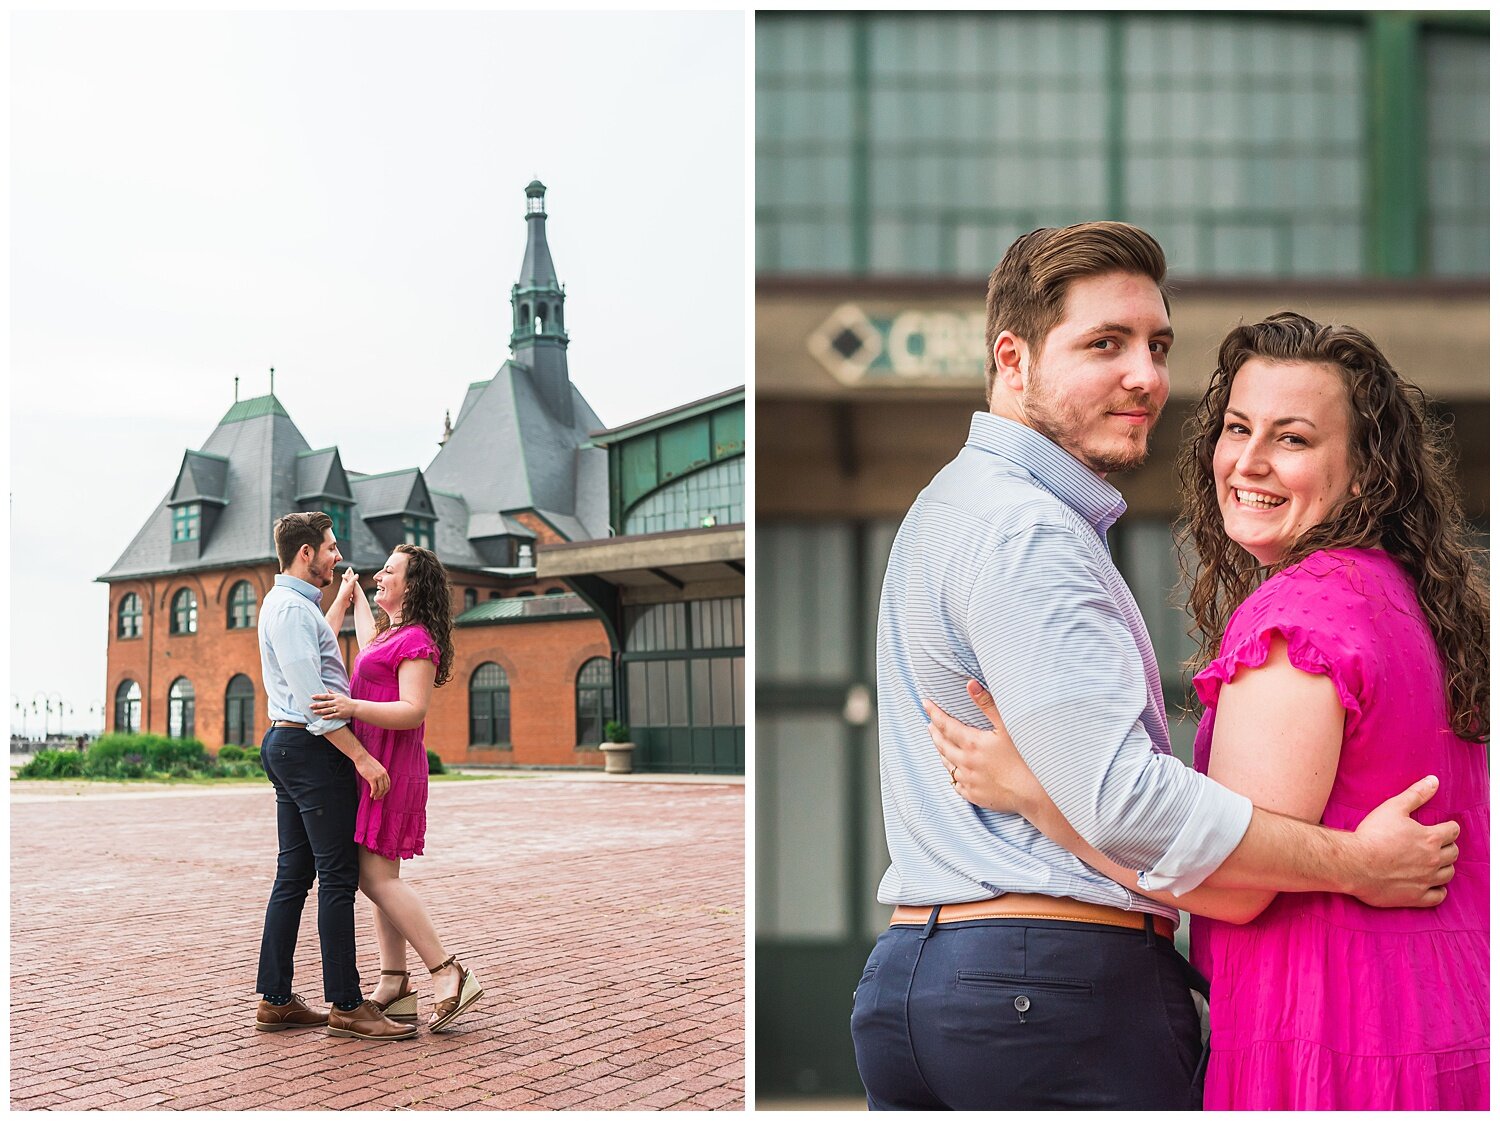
(926,344)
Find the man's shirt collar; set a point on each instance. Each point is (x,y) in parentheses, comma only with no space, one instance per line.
(1086,493)
(301,586)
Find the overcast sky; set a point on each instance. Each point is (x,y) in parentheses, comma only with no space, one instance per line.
(199,197)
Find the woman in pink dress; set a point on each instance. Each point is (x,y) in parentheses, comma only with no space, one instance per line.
(1344,630)
(402,657)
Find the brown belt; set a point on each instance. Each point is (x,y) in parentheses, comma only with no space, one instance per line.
(286,724)
(1015,905)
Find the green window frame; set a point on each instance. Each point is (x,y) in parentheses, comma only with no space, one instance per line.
(239,711)
(1266,144)
(181,707)
(186,521)
(595,701)
(241,606)
(128,624)
(128,706)
(338,513)
(417,531)
(184,612)
(489,706)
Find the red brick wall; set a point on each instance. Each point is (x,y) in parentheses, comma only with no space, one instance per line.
(541,660)
(208,658)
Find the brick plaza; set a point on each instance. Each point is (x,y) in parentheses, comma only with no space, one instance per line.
(605,918)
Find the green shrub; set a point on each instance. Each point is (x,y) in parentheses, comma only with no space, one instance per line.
(136,754)
(53,764)
(231,753)
(176,757)
(435,763)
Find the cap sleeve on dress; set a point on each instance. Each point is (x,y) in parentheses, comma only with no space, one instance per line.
(1321,610)
(415,645)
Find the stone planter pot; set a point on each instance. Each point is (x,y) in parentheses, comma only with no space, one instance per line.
(617,757)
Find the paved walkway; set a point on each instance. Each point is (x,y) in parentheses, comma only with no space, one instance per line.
(606,921)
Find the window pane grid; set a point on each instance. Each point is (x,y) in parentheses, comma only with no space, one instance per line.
(1240,143)
(489,705)
(242,606)
(184,612)
(130,617)
(185,522)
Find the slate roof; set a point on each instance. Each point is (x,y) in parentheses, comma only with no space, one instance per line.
(509,452)
(259,444)
(320,474)
(201,478)
(391,493)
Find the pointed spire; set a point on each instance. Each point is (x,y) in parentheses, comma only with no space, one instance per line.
(538,339)
(447,427)
(537,270)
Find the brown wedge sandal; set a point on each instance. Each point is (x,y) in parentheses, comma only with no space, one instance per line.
(403,1006)
(445,1011)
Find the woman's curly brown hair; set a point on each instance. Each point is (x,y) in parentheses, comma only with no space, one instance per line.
(1406,502)
(429,601)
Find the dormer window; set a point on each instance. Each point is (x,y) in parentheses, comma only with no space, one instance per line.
(338,513)
(186,521)
(525,557)
(417,531)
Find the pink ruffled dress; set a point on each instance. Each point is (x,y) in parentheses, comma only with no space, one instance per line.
(1323,1002)
(393,827)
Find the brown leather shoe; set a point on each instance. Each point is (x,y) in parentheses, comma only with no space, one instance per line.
(293,1014)
(367,1022)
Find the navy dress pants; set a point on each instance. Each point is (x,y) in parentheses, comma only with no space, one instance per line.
(1027,1014)
(316,799)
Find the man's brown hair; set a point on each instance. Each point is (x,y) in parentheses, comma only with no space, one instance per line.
(1030,284)
(296,530)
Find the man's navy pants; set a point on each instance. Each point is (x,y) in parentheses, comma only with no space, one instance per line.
(316,800)
(1027,1014)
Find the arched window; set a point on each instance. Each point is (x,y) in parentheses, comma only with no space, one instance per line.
(471,597)
(185,612)
(128,707)
(596,701)
(525,314)
(129,620)
(180,709)
(241,609)
(489,705)
(239,710)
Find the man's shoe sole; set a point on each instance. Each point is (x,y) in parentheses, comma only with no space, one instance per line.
(283,1027)
(347,1034)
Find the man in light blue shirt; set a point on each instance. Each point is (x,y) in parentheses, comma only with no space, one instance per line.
(312,763)
(1014,975)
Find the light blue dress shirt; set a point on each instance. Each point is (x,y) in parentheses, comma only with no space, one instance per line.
(1001,572)
(299,655)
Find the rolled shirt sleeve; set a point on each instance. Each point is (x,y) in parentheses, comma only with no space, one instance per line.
(1067,676)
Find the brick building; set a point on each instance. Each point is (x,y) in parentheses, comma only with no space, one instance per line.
(533,676)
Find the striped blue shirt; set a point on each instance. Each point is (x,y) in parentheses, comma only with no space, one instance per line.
(1001,572)
(299,655)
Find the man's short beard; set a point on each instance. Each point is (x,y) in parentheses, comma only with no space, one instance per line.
(1052,419)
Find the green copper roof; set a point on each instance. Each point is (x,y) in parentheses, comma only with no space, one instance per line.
(254,407)
(523,607)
